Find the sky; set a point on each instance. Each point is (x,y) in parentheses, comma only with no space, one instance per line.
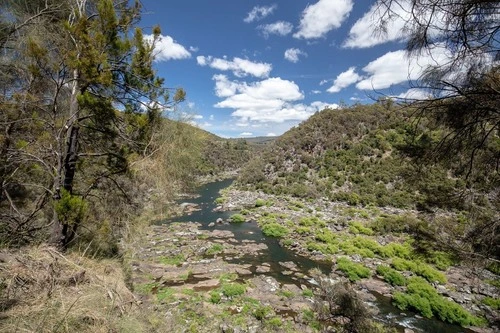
(258,68)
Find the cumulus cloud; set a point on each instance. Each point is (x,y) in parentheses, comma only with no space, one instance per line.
(280,28)
(395,67)
(293,54)
(363,33)
(325,15)
(273,100)
(240,67)
(271,134)
(166,48)
(246,134)
(259,12)
(344,79)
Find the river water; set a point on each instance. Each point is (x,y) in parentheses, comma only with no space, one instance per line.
(275,254)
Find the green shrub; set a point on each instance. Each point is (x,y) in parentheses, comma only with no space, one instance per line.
(233,289)
(303,230)
(422,297)
(260,202)
(214,249)
(307,293)
(441,260)
(353,270)
(494,303)
(391,275)
(358,228)
(274,230)
(262,311)
(215,296)
(419,268)
(175,260)
(220,200)
(237,218)
(274,322)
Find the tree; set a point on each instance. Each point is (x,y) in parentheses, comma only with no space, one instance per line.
(464,97)
(464,90)
(79,99)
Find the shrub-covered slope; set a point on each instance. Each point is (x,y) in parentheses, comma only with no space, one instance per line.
(362,155)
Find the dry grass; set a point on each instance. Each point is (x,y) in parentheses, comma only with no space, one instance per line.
(42,290)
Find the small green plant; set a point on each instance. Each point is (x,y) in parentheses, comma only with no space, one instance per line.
(215,297)
(260,202)
(165,294)
(175,260)
(244,212)
(287,242)
(274,230)
(273,322)
(214,249)
(285,293)
(262,311)
(231,290)
(493,303)
(220,200)
(353,270)
(307,293)
(357,227)
(237,218)
(391,275)
(309,318)
(419,268)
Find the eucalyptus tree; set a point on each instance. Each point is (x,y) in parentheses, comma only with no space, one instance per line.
(463,95)
(80,97)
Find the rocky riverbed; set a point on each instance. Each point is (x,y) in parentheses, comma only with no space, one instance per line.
(192,271)
(466,285)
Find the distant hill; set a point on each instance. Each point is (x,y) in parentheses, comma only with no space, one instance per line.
(360,155)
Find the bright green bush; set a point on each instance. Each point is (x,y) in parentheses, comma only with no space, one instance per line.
(215,297)
(233,289)
(391,275)
(353,270)
(357,227)
(237,218)
(274,230)
(494,303)
(419,268)
(422,297)
(260,202)
(214,249)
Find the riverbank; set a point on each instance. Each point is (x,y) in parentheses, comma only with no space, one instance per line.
(323,231)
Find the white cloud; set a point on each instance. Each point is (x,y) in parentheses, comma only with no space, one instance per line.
(414,94)
(280,28)
(194,49)
(246,134)
(223,86)
(315,92)
(323,82)
(272,100)
(395,67)
(167,48)
(325,15)
(363,33)
(293,54)
(211,117)
(240,67)
(344,79)
(271,134)
(259,12)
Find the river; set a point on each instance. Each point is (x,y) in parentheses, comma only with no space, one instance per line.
(388,313)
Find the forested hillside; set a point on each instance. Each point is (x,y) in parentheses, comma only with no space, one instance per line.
(384,155)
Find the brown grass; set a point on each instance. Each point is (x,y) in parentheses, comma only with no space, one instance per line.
(42,290)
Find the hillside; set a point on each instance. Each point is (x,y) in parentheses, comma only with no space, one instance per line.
(381,155)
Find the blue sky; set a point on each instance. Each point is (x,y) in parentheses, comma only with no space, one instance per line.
(257,68)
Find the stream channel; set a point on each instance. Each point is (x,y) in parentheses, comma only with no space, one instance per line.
(387,313)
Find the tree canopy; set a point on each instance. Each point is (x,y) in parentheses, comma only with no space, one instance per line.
(80,98)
